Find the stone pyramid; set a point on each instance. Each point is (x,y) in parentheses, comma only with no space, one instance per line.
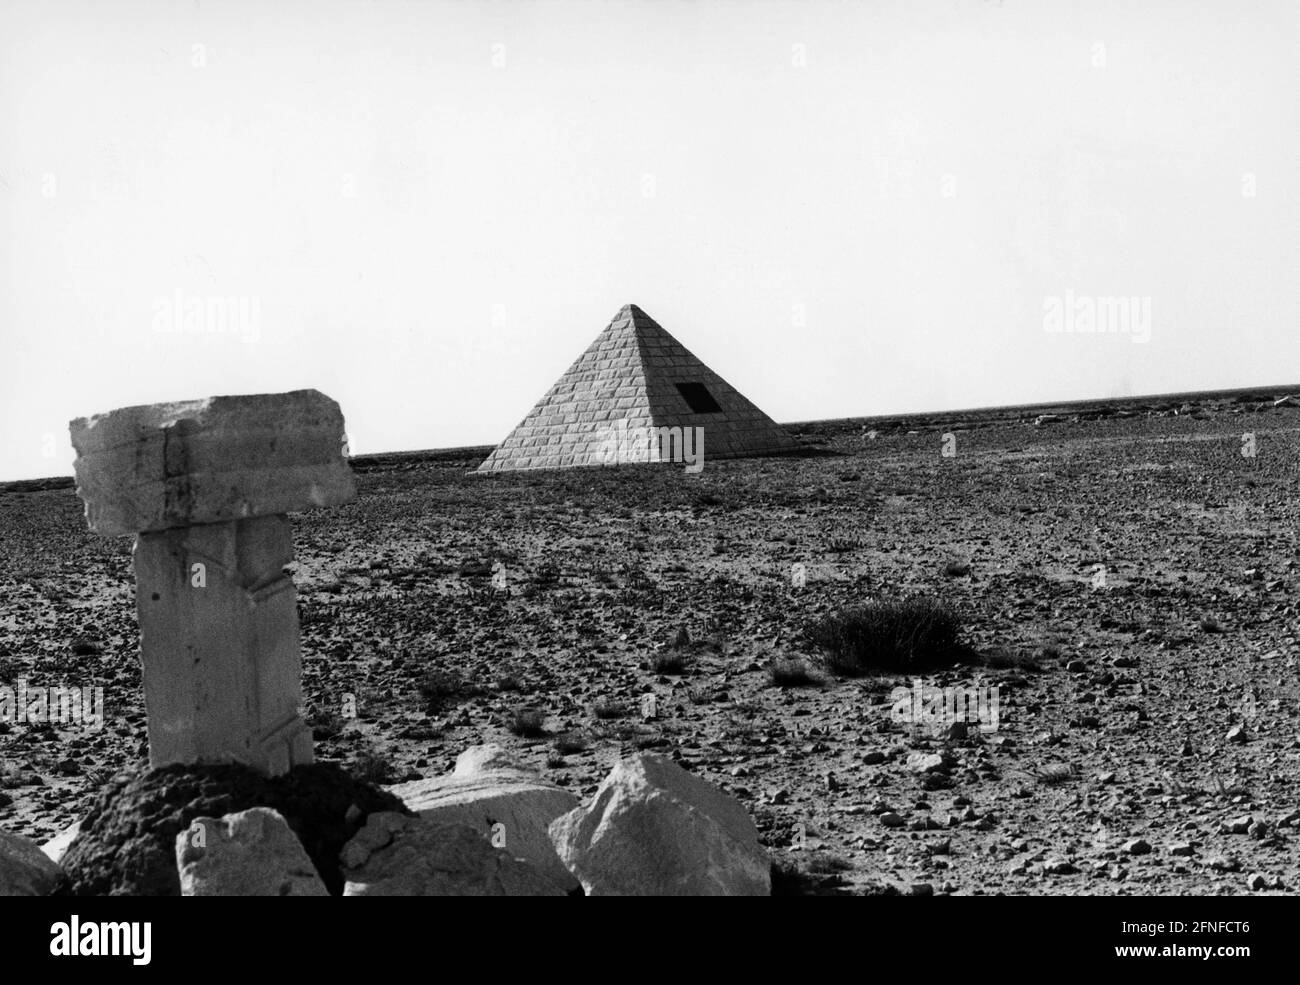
(635,378)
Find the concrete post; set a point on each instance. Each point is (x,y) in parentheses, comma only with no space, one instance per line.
(205,485)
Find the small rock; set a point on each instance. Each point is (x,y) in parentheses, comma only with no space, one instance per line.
(25,870)
(1237,734)
(396,855)
(1136,846)
(251,853)
(492,793)
(1181,848)
(58,846)
(891,820)
(923,762)
(1257,881)
(1238,825)
(653,829)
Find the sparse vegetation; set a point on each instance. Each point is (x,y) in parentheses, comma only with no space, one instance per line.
(893,636)
(670,663)
(1005,658)
(440,689)
(508,683)
(790,878)
(325,723)
(606,710)
(792,672)
(372,766)
(1054,774)
(527,723)
(569,743)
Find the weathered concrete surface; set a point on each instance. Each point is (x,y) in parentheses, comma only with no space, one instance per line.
(251,853)
(159,466)
(204,484)
(219,644)
(654,829)
(509,806)
(396,855)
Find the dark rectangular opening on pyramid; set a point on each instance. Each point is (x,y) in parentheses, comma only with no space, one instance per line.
(698,398)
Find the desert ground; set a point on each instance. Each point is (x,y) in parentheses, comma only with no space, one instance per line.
(1124,576)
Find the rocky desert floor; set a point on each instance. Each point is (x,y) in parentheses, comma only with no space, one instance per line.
(1128,581)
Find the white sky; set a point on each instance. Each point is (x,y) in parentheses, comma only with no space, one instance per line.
(843,209)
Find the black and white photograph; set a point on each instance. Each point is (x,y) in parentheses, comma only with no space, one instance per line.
(615,448)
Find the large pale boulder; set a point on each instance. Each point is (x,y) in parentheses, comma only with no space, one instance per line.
(25,870)
(252,853)
(396,855)
(503,802)
(488,758)
(654,829)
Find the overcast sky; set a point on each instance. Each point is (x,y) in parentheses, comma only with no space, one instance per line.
(427,211)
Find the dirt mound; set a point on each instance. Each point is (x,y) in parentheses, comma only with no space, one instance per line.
(127,844)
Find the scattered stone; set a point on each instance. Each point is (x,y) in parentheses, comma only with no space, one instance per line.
(655,829)
(488,758)
(1059,867)
(25,870)
(510,807)
(1224,863)
(1237,825)
(922,762)
(58,846)
(127,844)
(252,853)
(397,855)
